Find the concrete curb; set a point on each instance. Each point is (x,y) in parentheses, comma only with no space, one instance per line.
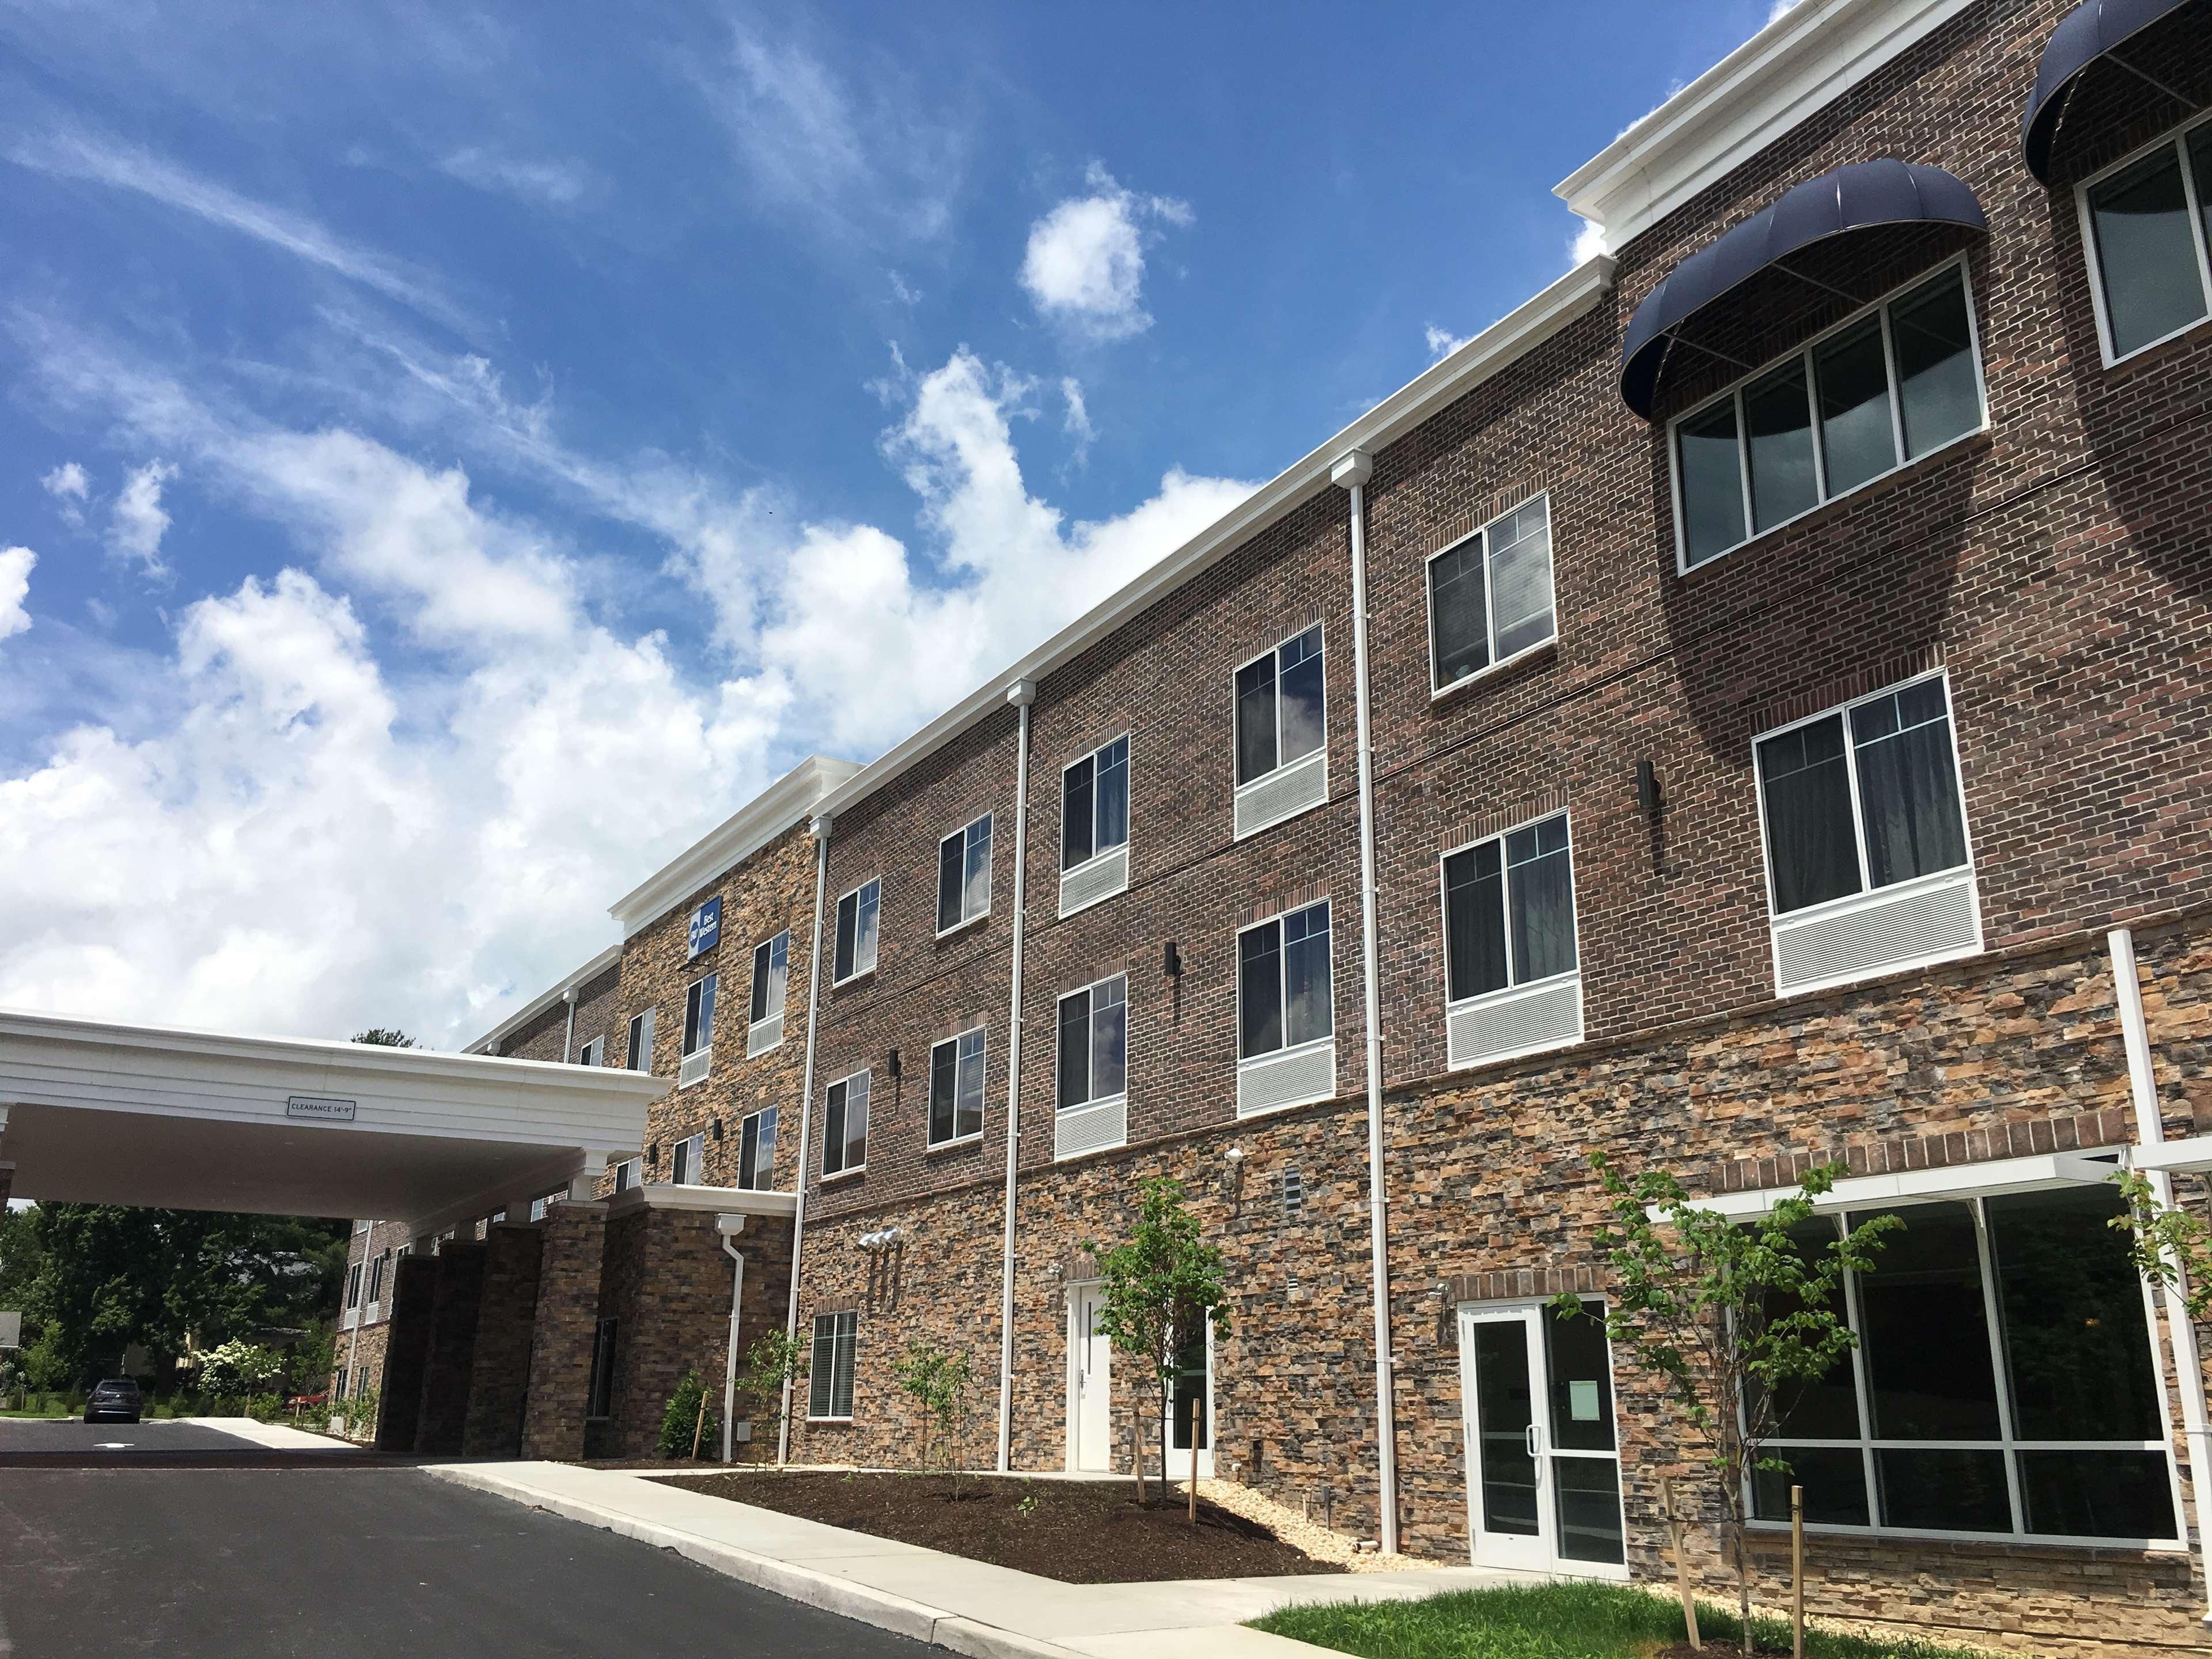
(810,1589)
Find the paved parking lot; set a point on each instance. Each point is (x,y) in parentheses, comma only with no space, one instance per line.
(19,1434)
(352,1559)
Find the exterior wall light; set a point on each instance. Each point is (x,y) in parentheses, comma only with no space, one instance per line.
(1171,961)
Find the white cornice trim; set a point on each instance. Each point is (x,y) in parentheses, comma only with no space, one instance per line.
(1806,58)
(720,1201)
(538,1005)
(1489,352)
(785,803)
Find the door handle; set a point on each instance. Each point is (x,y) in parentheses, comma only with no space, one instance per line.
(1531,1437)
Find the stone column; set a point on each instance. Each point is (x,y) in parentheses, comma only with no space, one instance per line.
(413,1294)
(574,1244)
(499,1377)
(7,1180)
(451,1349)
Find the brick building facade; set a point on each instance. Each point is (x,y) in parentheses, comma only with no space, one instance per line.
(1764,747)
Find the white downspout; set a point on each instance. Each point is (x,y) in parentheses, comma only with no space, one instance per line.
(819,830)
(1021,693)
(2142,1085)
(1351,473)
(569,1032)
(730,1226)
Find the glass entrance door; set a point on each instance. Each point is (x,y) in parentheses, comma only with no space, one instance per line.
(1543,1466)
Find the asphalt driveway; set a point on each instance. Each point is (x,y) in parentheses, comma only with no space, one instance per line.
(358,1560)
(69,1435)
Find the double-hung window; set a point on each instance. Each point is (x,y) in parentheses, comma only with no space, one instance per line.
(589,1053)
(956,1089)
(845,1126)
(640,1041)
(1094,826)
(687,1163)
(1511,975)
(2146,222)
(829,1377)
(857,916)
(963,875)
(1490,595)
(1886,387)
(353,1285)
(1282,760)
(771,976)
(627,1174)
(1867,866)
(2005,1383)
(1093,1087)
(1285,1014)
(698,1032)
(756,1150)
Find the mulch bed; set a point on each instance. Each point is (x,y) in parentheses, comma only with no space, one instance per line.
(1080,1532)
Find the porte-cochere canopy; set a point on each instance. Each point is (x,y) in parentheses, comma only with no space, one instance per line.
(1863,196)
(2092,33)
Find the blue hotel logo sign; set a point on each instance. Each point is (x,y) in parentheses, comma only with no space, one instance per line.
(706,926)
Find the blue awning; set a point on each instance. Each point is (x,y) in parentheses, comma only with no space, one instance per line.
(2091,31)
(1860,197)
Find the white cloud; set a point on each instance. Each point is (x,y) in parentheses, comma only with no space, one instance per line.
(557,184)
(79,154)
(1442,342)
(1077,421)
(1588,243)
(136,521)
(1084,264)
(1780,9)
(16,565)
(68,484)
(902,293)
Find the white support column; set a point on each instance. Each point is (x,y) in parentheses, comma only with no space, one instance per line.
(1021,693)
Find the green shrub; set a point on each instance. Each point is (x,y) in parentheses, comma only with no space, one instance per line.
(689,1415)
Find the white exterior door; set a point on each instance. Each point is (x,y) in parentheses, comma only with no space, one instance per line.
(1090,1393)
(1543,1467)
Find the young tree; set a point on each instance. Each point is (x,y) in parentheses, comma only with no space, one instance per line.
(239,1368)
(777,1360)
(1731,1317)
(1162,1285)
(690,1423)
(938,1379)
(2172,1246)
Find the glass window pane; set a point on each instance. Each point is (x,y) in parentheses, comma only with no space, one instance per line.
(1943,1490)
(1474,921)
(950,860)
(1539,892)
(1075,1050)
(820,1365)
(1779,421)
(1521,576)
(1504,1409)
(749,1153)
(1908,787)
(1856,440)
(1582,1380)
(1078,812)
(1187,1403)
(856,1122)
(1308,1013)
(1588,1494)
(1834,1479)
(1301,689)
(864,947)
(2074,1340)
(1825,1407)
(2097,1494)
(847,920)
(764,1161)
(1810,844)
(942,1059)
(1114,795)
(779,971)
(1459,619)
(1110,1040)
(1940,393)
(968,1105)
(1711,475)
(1259,990)
(2200,165)
(976,894)
(1926,1330)
(832,1129)
(2145,252)
(1255,719)
(758,1011)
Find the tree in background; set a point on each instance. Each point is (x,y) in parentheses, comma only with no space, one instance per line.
(384,1036)
(688,1425)
(1732,1318)
(237,1367)
(1163,1286)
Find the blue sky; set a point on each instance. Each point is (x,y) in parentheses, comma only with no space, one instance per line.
(454,457)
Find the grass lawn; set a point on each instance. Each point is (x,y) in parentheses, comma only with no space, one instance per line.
(1556,1621)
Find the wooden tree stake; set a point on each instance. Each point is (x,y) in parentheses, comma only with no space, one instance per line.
(1681,1560)
(1797,1572)
(699,1428)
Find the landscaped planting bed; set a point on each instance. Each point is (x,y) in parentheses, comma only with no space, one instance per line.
(1561,1621)
(1081,1531)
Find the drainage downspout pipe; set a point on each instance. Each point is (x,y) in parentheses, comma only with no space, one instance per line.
(820,829)
(729,1226)
(1021,693)
(1351,474)
(2189,1372)
(568,1031)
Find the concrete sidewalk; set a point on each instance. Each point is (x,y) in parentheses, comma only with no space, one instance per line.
(969,1606)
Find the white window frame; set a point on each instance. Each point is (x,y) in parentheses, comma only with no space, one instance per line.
(588,1053)
(629,1172)
(1510,991)
(1282,975)
(931,1142)
(692,1151)
(641,1025)
(767,1017)
(854,894)
(852,1349)
(845,1082)
(1320,757)
(1803,353)
(1868,896)
(1129,833)
(1497,664)
(686,1073)
(1094,1098)
(987,820)
(353,1283)
(2177,139)
(752,1120)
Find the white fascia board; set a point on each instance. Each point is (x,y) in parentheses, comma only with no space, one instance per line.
(718,1200)
(544,1000)
(1803,60)
(2190,1157)
(789,801)
(1490,352)
(1984,1180)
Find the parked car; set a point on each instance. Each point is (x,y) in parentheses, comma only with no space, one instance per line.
(115,1399)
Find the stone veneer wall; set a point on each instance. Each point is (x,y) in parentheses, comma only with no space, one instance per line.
(450,1357)
(499,1375)
(413,1293)
(568,1320)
